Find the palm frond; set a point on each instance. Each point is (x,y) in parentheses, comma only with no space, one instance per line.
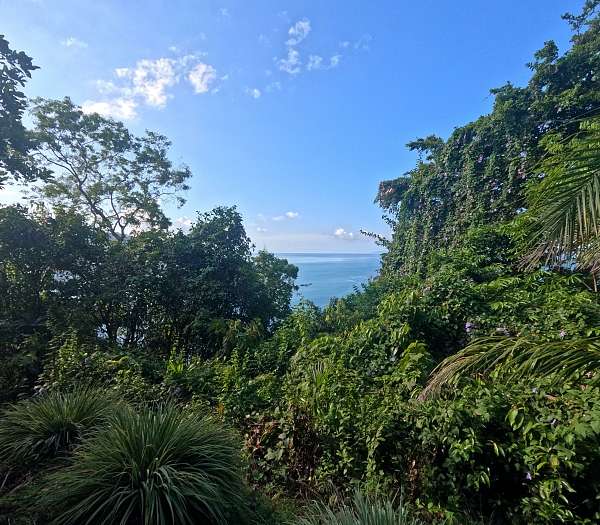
(517,358)
(566,203)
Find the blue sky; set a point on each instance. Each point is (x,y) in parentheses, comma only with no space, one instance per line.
(293,111)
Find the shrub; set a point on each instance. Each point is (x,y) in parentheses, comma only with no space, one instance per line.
(161,466)
(46,426)
(362,511)
(77,362)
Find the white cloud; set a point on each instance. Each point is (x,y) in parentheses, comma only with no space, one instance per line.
(106,87)
(344,44)
(264,39)
(201,76)
(273,86)
(121,108)
(291,64)
(254,92)
(260,229)
(224,12)
(298,32)
(151,78)
(182,223)
(287,215)
(340,233)
(12,194)
(314,62)
(149,82)
(363,43)
(74,42)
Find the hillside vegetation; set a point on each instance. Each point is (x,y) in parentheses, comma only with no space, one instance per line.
(161,377)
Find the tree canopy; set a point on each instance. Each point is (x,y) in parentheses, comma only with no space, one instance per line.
(103,171)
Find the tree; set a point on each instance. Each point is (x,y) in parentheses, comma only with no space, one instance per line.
(15,69)
(103,171)
(275,279)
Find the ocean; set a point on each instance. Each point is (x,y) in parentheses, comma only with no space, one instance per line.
(322,276)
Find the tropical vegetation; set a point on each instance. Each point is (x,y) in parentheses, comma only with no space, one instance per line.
(155,375)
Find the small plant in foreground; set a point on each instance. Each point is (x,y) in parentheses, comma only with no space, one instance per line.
(362,511)
(161,466)
(49,425)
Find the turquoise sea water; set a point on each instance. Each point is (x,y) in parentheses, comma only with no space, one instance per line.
(322,276)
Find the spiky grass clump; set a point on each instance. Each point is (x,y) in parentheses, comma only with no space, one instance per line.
(41,428)
(362,511)
(161,466)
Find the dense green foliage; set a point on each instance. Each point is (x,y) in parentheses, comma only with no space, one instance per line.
(464,377)
(15,144)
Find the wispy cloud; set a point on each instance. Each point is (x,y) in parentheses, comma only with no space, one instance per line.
(260,229)
(363,43)
(316,62)
(224,12)
(73,42)
(291,64)
(119,108)
(149,82)
(150,79)
(273,86)
(288,215)
(341,233)
(182,223)
(254,92)
(202,76)
(298,32)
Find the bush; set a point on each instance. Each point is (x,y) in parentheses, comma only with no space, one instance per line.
(161,466)
(46,426)
(522,453)
(362,511)
(77,362)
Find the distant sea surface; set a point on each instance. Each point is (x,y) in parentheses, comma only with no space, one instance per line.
(322,276)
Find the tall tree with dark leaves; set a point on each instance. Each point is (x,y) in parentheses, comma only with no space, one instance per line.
(15,143)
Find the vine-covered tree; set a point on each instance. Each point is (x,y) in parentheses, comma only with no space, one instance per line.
(480,174)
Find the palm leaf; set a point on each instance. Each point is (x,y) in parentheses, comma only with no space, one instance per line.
(566,204)
(516,358)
